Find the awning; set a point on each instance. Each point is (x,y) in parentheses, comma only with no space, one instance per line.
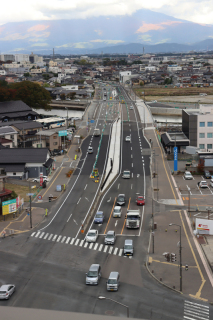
(48,163)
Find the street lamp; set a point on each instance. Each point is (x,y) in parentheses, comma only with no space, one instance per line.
(174,224)
(127,308)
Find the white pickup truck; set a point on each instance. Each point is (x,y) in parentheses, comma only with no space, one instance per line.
(133,219)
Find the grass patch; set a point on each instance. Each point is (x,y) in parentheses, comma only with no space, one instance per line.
(20,190)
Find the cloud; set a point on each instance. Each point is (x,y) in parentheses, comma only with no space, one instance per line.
(40,45)
(79,45)
(145,37)
(38,27)
(99,32)
(108,41)
(163,41)
(14,36)
(160,26)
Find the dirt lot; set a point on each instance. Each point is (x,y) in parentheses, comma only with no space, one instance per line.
(20,190)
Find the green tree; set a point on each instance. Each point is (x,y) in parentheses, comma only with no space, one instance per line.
(27,74)
(32,94)
(3,83)
(46,76)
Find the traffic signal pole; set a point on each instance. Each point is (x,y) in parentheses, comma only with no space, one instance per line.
(180,262)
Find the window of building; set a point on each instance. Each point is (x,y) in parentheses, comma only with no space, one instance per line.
(209,135)
(202,146)
(55,143)
(201,135)
(12,136)
(14,173)
(209,146)
(202,124)
(210,124)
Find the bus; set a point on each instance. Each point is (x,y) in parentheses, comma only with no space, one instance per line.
(50,123)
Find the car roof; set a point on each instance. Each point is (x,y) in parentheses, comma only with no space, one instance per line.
(111,232)
(94,267)
(121,194)
(5,286)
(113,275)
(99,212)
(92,230)
(187,172)
(117,207)
(128,241)
(203,181)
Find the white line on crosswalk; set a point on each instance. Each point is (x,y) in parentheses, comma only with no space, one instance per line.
(120,252)
(59,238)
(81,243)
(110,250)
(68,239)
(33,234)
(105,248)
(95,247)
(73,239)
(77,241)
(91,245)
(100,248)
(63,239)
(41,235)
(196,304)
(46,235)
(200,318)
(115,251)
(86,244)
(198,313)
(37,234)
(195,308)
(50,237)
(55,236)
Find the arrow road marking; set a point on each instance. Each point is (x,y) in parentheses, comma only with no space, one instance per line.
(87,199)
(138,175)
(109,199)
(75,222)
(116,223)
(118,187)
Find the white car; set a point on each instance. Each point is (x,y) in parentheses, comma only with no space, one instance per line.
(128,138)
(92,236)
(77,100)
(45,178)
(131,108)
(58,99)
(202,184)
(68,99)
(117,212)
(188,175)
(6,291)
(90,150)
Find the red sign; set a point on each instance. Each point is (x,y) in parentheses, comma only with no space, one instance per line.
(41,179)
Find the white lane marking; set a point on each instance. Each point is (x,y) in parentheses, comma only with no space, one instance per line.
(116,223)
(81,243)
(75,221)
(71,163)
(100,248)
(132,164)
(120,252)
(110,250)
(86,244)
(33,234)
(105,248)
(138,175)
(132,175)
(91,245)
(68,239)
(37,234)
(87,199)
(41,235)
(77,241)
(69,217)
(95,247)
(131,148)
(79,200)
(63,239)
(118,185)
(54,238)
(85,187)
(46,235)
(131,186)
(59,238)
(131,156)
(72,241)
(50,237)
(109,199)
(115,251)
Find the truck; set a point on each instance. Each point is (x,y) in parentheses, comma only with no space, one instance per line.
(133,219)
(97,132)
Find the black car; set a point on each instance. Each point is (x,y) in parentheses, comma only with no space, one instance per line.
(207,175)
(121,199)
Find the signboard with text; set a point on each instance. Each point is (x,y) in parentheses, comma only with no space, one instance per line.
(175,158)
(8,206)
(204,226)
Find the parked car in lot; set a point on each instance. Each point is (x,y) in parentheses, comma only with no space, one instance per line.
(93,276)
(128,138)
(99,217)
(188,175)
(121,199)
(6,291)
(92,236)
(202,184)
(117,212)
(140,201)
(45,178)
(207,174)
(110,237)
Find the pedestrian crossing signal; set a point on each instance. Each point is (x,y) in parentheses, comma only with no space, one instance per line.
(186,267)
(173,257)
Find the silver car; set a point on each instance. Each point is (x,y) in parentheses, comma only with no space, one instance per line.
(117,212)
(92,236)
(188,175)
(6,291)
(94,274)
(110,237)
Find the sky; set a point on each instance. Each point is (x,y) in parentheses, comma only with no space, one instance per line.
(199,11)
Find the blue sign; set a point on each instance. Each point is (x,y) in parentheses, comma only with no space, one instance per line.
(92,121)
(175,158)
(62,133)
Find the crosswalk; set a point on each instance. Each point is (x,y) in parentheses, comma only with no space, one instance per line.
(78,242)
(195,311)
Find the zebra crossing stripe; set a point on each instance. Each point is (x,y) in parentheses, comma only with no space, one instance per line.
(120,252)
(46,235)
(91,245)
(68,239)
(63,239)
(54,238)
(115,251)
(196,304)
(86,244)
(37,234)
(59,238)
(73,239)
(95,247)
(50,237)
(105,248)
(110,250)
(33,234)
(100,248)
(81,243)
(41,235)
(77,241)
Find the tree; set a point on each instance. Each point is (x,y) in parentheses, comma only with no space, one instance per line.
(27,74)
(7,94)
(32,94)
(3,83)
(46,76)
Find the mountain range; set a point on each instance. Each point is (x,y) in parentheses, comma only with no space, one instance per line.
(153,31)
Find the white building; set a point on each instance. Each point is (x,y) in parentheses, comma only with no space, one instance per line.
(124,76)
(6,57)
(70,87)
(20,57)
(173,68)
(151,68)
(3,72)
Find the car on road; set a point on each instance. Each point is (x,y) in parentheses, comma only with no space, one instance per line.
(99,217)
(140,201)
(110,237)
(121,199)
(68,99)
(131,108)
(58,99)
(207,174)
(202,184)
(126,174)
(92,236)
(128,247)
(188,175)
(128,138)
(45,178)
(117,212)
(6,291)
(77,100)
(113,281)
(90,149)
(93,276)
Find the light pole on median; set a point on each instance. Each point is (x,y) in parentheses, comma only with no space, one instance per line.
(180,253)
(127,308)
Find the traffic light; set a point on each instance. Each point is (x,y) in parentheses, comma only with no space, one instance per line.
(186,267)
(173,257)
(167,256)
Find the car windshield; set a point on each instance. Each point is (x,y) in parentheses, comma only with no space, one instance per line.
(110,236)
(92,274)
(132,217)
(120,198)
(126,172)
(140,198)
(112,281)
(91,234)
(207,172)
(99,215)
(117,210)
(128,246)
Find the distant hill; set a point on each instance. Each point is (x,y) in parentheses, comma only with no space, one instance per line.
(153,30)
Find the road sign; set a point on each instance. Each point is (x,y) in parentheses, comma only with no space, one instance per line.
(175,158)
(62,133)
(30,194)
(39,197)
(92,121)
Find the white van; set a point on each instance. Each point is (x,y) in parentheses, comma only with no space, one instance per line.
(113,281)
(97,132)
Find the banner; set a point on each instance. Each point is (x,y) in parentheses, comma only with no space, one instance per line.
(175,159)
(8,206)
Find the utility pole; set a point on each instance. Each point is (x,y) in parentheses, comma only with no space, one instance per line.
(30,214)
